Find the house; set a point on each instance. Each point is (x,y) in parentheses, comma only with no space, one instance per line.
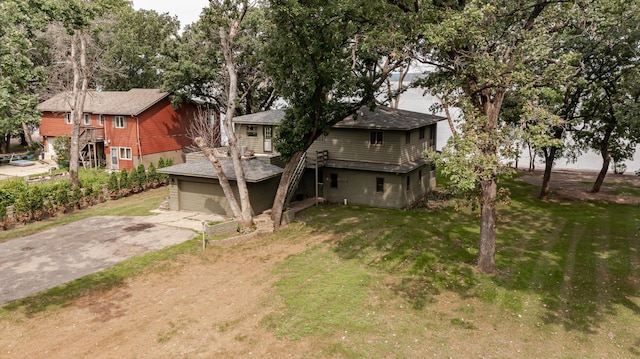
(121,129)
(374,159)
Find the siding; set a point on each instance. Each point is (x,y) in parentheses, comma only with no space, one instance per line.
(415,149)
(359,188)
(164,129)
(254,143)
(205,195)
(52,125)
(354,145)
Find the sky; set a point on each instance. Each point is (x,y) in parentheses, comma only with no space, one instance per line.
(187,11)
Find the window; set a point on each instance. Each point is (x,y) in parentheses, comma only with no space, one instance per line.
(100,120)
(87,119)
(67,118)
(251,131)
(408,182)
(379,184)
(125,153)
(334,180)
(268,132)
(432,135)
(407,137)
(119,122)
(422,129)
(376,138)
(420,176)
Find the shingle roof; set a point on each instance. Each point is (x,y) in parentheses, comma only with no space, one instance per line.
(126,103)
(377,167)
(254,169)
(272,117)
(382,118)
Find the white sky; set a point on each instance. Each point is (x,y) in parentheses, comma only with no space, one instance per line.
(187,11)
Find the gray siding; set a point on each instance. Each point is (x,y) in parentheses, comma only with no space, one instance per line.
(415,149)
(206,195)
(354,145)
(253,143)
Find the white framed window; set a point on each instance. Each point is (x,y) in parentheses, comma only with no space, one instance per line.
(100,120)
(252,131)
(376,138)
(87,119)
(119,122)
(67,118)
(125,153)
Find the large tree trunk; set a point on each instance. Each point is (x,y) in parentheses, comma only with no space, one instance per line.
(245,219)
(606,160)
(79,95)
(27,134)
(281,194)
(487,243)
(222,178)
(549,158)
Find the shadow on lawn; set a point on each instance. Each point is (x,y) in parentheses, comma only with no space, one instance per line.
(580,259)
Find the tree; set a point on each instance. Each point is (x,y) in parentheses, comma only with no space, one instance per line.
(193,61)
(18,73)
(132,41)
(609,106)
(480,51)
(328,59)
(228,17)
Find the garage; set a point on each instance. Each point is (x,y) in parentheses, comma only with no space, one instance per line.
(194,186)
(199,196)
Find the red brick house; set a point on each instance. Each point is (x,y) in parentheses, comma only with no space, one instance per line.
(121,129)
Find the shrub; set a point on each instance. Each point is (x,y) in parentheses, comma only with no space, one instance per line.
(152,174)
(112,184)
(139,175)
(125,179)
(62,146)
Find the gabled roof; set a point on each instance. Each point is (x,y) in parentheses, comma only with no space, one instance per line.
(125,103)
(254,169)
(382,118)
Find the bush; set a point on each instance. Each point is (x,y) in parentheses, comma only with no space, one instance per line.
(152,174)
(62,146)
(125,179)
(112,184)
(139,175)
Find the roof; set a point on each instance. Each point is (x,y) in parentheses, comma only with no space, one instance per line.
(381,118)
(386,118)
(272,117)
(377,167)
(254,169)
(126,103)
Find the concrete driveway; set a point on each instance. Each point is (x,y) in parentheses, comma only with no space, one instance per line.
(40,261)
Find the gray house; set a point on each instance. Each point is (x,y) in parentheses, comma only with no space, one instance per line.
(374,159)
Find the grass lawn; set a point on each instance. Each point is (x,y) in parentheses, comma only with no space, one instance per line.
(402,284)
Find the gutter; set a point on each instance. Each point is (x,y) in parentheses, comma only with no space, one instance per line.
(138,139)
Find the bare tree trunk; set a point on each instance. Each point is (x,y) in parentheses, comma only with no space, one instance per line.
(226,42)
(283,186)
(447,112)
(549,158)
(222,178)
(606,160)
(487,243)
(79,94)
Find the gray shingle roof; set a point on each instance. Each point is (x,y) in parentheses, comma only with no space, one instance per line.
(382,118)
(126,103)
(254,169)
(272,117)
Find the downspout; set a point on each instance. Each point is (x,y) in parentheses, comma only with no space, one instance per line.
(138,140)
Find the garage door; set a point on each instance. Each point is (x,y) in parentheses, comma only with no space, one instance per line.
(202,197)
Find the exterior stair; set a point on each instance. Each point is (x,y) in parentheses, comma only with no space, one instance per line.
(295,178)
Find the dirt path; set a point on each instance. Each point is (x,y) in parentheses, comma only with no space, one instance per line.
(208,307)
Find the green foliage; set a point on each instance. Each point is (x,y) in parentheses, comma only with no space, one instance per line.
(62,147)
(168,162)
(113,184)
(62,193)
(139,175)
(152,174)
(161,163)
(344,52)
(125,179)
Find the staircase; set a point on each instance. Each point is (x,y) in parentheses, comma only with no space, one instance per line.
(296,177)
